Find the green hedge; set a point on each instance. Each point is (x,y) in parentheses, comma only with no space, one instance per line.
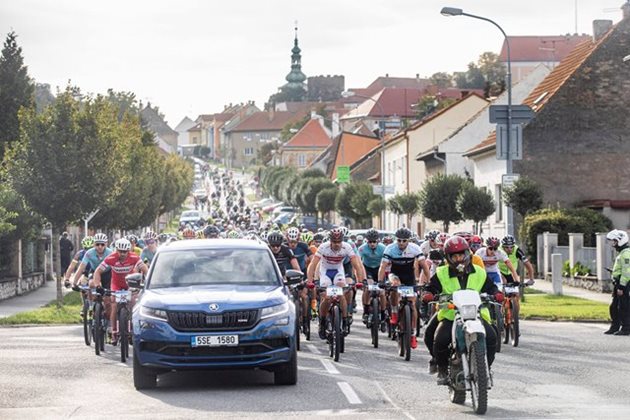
(562,222)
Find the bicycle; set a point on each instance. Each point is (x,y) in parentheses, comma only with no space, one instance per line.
(303,323)
(123,323)
(496,314)
(99,322)
(86,311)
(375,323)
(403,330)
(334,324)
(511,309)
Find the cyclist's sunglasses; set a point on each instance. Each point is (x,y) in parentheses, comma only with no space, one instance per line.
(402,241)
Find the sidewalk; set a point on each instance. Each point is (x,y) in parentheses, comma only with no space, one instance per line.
(545,286)
(28,302)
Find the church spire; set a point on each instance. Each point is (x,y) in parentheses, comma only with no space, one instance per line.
(296,78)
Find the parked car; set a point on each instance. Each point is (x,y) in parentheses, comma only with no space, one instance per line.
(284,218)
(284,209)
(311,223)
(271,207)
(190,216)
(214,304)
(200,193)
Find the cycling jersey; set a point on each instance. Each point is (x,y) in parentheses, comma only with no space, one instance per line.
(283,258)
(121,269)
(491,261)
(371,257)
(93,260)
(78,257)
(147,255)
(333,260)
(402,261)
(301,252)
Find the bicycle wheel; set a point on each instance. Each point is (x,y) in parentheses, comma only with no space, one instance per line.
(337,333)
(298,323)
(306,327)
(407,331)
(507,321)
(498,326)
(376,322)
(99,333)
(123,338)
(86,323)
(514,327)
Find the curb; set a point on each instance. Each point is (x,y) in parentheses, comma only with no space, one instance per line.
(37,325)
(586,321)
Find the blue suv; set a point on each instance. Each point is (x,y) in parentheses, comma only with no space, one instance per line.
(214,304)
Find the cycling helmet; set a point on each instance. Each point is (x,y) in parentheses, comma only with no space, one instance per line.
(122,245)
(457,245)
(372,235)
(403,233)
(318,237)
(275,238)
(188,233)
(442,238)
(100,238)
(150,236)
(344,231)
(199,234)
(293,234)
(508,240)
(307,237)
(621,236)
(476,242)
(211,231)
(359,238)
(87,242)
(132,238)
(388,239)
(433,234)
(435,255)
(336,234)
(493,242)
(163,237)
(264,235)
(233,234)
(466,235)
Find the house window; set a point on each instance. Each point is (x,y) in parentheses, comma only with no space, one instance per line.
(264,136)
(249,151)
(301,160)
(498,199)
(194,140)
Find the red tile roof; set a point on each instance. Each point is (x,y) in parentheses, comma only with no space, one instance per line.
(311,135)
(350,148)
(541,95)
(388,102)
(541,48)
(268,121)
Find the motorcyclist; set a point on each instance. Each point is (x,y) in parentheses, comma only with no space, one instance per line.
(459,273)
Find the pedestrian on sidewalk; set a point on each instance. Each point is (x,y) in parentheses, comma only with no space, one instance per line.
(65,251)
(620,306)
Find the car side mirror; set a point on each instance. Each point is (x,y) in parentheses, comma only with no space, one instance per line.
(134,280)
(293,277)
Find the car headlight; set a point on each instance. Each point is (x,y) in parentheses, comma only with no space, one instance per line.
(153,313)
(468,311)
(274,310)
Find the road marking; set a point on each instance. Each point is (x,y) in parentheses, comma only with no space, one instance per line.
(347,390)
(329,367)
(389,400)
(313,349)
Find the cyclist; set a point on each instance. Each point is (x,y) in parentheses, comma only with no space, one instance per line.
(211,232)
(134,244)
(475,243)
(515,254)
(93,258)
(282,253)
(86,244)
(188,233)
(120,263)
(300,249)
(371,254)
(151,244)
(406,261)
(329,257)
(492,256)
(459,273)
(318,238)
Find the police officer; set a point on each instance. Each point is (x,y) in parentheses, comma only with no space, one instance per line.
(620,306)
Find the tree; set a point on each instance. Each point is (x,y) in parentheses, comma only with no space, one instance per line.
(325,200)
(393,204)
(409,205)
(493,72)
(352,202)
(441,79)
(309,190)
(475,203)
(377,206)
(265,153)
(471,79)
(438,199)
(524,197)
(16,91)
(53,163)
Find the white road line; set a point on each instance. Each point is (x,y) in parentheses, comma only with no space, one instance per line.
(313,349)
(347,390)
(389,400)
(329,367)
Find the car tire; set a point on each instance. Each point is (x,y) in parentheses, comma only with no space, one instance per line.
(143,378)
(287,373)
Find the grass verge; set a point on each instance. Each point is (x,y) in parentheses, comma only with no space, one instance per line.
(68,313)
(563,308)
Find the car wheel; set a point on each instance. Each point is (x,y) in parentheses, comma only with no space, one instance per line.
(143,378)
(287,374)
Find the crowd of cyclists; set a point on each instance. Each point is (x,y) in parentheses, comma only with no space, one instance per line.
(437,263)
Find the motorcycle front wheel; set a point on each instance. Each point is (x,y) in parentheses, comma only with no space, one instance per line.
(478,377)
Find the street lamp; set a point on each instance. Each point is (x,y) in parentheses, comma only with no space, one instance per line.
(382,140)
(453,11)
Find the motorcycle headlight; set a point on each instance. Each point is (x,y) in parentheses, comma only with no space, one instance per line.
(274,310)
(153,313)
(468,312)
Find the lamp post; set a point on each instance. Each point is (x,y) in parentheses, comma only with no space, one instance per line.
(453,11)
(382,140)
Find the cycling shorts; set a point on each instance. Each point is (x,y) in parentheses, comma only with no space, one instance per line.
(371,272)
(332,277)
(403,282)
(495,277)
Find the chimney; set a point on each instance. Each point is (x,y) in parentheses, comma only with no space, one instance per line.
(625,9)
(272,112)
(335,125)
(601,28)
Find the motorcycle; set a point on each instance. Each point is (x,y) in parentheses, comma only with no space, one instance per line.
(468,366)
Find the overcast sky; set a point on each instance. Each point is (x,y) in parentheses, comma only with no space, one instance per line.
(193,56)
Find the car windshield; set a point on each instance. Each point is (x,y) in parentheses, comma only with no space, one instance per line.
(190,214)
(201,267)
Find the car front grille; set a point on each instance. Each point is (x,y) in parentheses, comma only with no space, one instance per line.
(244,349)
(200,321)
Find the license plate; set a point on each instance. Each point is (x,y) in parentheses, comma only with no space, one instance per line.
(406,291)
(214,340)
(510,290)
(334,291)
(373,288)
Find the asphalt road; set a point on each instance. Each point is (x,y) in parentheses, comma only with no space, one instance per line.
(561,370)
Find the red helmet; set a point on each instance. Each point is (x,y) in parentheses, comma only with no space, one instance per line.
(476,239)
(457,245)
(466,235)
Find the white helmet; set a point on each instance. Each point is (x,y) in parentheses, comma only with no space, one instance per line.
(100,238)
(344,231)
(621,236)
(293,234)
(122,245)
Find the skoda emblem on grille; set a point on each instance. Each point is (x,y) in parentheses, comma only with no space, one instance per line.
(213,307)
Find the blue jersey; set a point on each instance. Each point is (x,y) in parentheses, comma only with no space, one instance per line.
(92,259)
(402,261)
(301,252)
(371,257)
(147,256)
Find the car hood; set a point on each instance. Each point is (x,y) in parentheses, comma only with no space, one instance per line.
(227,297)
